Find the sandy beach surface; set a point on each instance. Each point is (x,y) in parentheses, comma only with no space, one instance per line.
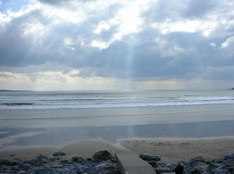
(171,150)
(84,132)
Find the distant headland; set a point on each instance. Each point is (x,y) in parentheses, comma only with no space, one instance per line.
(4,90)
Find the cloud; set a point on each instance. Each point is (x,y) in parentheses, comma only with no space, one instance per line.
(138,41)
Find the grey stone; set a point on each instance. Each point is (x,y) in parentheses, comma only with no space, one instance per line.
(7,162)
(197,170)
(79,160)
(229,156)
(32,162)
(153,164)
(160,170)
(59,154)
(102,155)
(148,157)
(197,159)
(24,167)
(213,166)
(222,171)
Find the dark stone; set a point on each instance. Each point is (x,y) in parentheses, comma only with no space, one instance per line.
(229,156)
(39,170)
(105,166)
(59,154)
(222,171)
(153,164)
(197,159)
(89,159)
(55,165)
(91,170)
(79,160)
(22,172)
(102,155)
(64,161)
(7,163)
(33,162)
(148,157)
(90,164)
(43,159)
(109,172)
(24,167)
(160,170)
(197,170)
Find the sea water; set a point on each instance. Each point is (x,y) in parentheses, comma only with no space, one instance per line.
(59,117)
(60,100)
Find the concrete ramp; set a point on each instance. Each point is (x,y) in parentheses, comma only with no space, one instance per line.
(132,164)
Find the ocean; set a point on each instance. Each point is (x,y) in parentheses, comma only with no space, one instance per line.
(59,117)
(70,100)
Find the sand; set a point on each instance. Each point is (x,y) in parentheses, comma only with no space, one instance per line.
(171,150)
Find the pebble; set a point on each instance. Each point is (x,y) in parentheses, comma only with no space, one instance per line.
(59,154)
(149,157)
(103,163)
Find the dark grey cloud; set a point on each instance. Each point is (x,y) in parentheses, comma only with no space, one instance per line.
(54,2)
(199,8)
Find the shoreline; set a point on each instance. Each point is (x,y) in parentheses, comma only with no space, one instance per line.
(115,116)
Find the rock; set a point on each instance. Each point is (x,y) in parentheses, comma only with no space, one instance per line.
(56,165)
(22,172)
(197,170)
(64,162)
(79,160)
(7,162)
(91,170)
(229,156)
(148,157)
(33,162)
(229,163)
(102,155)
(222,171)
(43,159)
(109,172)
(60,171)
(89,159)
(169,166)
(24,167)
(59,154)
(197,159)
(90,164)
(153,164)
(39,170)
(160,170)
(105,166)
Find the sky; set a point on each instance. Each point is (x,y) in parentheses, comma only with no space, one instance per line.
(116,45)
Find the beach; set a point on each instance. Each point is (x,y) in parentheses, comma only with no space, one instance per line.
(175,134)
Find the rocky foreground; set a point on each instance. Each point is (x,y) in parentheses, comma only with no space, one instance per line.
(103,163)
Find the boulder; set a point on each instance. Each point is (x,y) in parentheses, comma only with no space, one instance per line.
(43,159)
(59,154)
(148,157)
(79,160)
(222,171)
(229,156)
(197,159)
(197,170)
(102,155)
(7,162)
(160,170)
